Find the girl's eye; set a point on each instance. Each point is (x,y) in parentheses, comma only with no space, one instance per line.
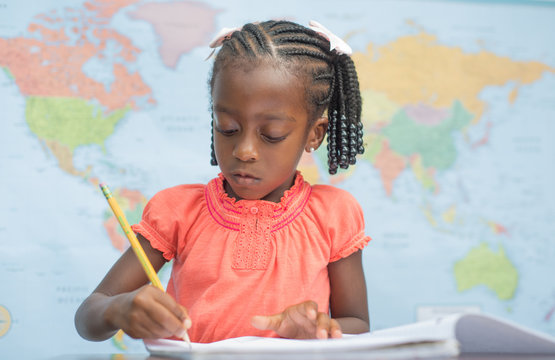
(226,132)
(273,139)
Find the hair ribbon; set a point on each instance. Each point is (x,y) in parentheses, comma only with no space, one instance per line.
(336,43)
(224,33)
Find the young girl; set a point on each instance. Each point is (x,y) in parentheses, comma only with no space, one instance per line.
(257,251)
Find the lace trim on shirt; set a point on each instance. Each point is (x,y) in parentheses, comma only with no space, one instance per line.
(229,213)
(357,243)
(255,220)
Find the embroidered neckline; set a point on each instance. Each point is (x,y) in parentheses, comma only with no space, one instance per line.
(231,213)
(285,199)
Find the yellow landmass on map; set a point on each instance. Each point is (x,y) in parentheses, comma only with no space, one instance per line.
(5,321)
(377,109)
(424,175)
(483,266)
(65,158)
(417,69)
(449,215)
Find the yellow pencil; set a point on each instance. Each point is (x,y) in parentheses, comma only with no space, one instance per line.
(137,248)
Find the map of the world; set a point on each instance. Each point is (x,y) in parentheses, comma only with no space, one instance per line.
(457,182)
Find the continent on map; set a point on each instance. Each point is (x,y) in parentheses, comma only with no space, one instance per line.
(482,266)
(65,123)
(180,26)
(419,94)
(66,105)
(5,321)
(132,203)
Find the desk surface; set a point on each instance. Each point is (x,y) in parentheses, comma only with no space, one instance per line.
(292,356)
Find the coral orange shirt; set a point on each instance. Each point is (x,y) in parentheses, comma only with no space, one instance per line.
(235,259)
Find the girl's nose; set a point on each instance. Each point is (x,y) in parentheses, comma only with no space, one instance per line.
(245,149)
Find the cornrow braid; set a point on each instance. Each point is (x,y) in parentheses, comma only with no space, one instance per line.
(333,80)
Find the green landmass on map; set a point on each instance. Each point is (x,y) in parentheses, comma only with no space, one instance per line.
(483,266)
(435,144)
(70,121)
(8,73)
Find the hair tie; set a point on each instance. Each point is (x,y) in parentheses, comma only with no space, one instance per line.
(221,36)
(336,43)
(224,33)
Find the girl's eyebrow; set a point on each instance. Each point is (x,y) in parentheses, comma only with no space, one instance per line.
(223,109)
(267,116)
(277,116)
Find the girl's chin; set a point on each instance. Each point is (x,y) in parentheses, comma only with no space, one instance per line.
(242,192)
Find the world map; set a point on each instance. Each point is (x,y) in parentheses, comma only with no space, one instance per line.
(456,183)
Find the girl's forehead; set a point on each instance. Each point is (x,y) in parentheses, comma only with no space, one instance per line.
(259,76)
(262,89)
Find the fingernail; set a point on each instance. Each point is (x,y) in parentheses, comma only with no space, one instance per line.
(322,334)
(182,334)
(188,323)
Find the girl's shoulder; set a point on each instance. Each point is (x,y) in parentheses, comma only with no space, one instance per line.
(327,199)
(178,196)
(331,194)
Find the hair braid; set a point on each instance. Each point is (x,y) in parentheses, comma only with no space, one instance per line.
(334,82)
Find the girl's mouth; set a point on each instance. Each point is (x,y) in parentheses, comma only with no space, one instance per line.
(244,179)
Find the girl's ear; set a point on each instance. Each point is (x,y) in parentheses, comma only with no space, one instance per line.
(316,134)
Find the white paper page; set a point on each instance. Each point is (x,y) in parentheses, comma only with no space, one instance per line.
(442,328)
(367,341)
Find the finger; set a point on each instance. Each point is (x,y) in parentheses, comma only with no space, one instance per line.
(166,318)
(304,314)
(335,329)
(271,322)
(163,323)
(178,311)
(309,309)
(142,326)
(143,311)
(173,306)
(323,324)
(187,321)
(151,329)
(298,320)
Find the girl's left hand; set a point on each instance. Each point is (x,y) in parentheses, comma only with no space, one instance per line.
(300,321)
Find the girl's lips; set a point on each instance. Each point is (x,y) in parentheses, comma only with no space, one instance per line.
(244,179)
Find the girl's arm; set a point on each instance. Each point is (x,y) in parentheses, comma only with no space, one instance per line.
(348,300)
(122,300)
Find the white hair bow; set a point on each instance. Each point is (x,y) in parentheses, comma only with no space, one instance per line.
(336,43)
(218,40)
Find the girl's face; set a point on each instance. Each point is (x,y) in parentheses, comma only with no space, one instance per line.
(260,130)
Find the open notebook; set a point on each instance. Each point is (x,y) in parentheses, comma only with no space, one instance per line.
(445,336)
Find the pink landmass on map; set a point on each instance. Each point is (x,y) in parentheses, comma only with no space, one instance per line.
(52,64)
(425,114)
(390,164)
(105,9)
(484,139)
(181,26)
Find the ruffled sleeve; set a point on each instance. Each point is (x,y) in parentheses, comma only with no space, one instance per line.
(167,217)
(343,221)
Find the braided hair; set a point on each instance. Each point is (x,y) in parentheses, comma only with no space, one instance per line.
(332,82)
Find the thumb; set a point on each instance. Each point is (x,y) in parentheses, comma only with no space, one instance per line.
(271,322)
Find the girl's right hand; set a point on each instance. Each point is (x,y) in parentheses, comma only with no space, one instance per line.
(148,313)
